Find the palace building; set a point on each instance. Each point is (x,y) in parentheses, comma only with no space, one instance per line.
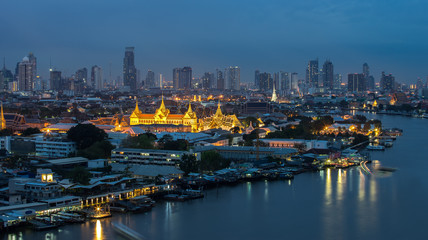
(163,120)
(163,116)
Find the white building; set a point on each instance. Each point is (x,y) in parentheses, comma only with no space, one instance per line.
(148,156)
(54,147)
(5,143)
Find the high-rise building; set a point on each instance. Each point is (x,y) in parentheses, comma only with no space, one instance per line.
(337,81)
(220,80)
(276,80)
(328,75)
(312,73)
(257,79)
(285,81)
(233,78)
(208,80)
(129,70)
(387,82)
(27,73)
(356,82)
(182,77)
(6,77)
(150,79)
(55,80)
(97,78)
(294,81)
(80,80)
(265,81)
(370,84)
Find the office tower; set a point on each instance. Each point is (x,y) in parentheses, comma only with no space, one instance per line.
(80,80)
(208,80)
(294,81)
(6,77)
(182,78)
(356,82)
(185,78)
(419,84)
(265,81)
(220,80)
(233,78)
(369,79)
(150,80)
(129,70)
(26,73)
(387,82)
(55,80)
(276,80)
(366,70)
(97,78)
(371,83)
(257,79)
(285,81)
(328,75)
(337,81)
(312,73)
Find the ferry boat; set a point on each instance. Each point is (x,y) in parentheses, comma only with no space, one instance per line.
(126,231)
(375,147)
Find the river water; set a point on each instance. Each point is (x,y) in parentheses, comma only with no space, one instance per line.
(331,204)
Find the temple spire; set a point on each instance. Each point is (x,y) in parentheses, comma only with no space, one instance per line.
(190,107)
(3,121)
(274,97)
(219,113)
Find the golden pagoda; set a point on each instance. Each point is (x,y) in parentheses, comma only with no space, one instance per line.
(219,120)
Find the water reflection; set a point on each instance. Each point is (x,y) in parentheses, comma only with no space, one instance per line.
(266,196)
(98,231)
(328,188)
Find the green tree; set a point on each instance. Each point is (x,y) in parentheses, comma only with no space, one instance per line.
(6,132)
(98,150)
(178,145)
(85,135)
(30,131)
(143,141)
(213,161)
(80,175)
(188,164)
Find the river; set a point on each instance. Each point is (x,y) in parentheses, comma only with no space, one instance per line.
(330,204)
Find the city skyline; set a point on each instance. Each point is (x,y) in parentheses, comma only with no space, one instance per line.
(240,35)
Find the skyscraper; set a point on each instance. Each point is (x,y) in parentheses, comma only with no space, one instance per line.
(208,80)
(312,73)
(220,80)
(285,81)
(129,70)
(97,78)
(27,73)
(337,81)
(328,75)
(6,77)
(182,77)
(257,79)
(294,81)
(387,82)
(370,85)
(80,80)
(55,80)
(150,79)
(233,78)
(356,82)
(265,81)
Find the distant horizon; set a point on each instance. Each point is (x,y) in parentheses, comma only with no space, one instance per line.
(267,36)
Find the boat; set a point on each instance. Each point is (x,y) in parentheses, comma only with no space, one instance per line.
(375,147)
(126,231)
(99,213)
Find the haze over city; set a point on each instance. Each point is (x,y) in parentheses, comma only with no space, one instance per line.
(267,35)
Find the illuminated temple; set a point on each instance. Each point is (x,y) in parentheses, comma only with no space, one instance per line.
(219,120)
(172,122)
(163,116)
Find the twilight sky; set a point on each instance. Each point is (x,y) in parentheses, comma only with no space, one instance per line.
(270,35)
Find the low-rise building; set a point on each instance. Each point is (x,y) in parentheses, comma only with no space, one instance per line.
(148,156)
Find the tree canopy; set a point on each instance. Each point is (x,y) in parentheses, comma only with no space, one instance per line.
(213,161)
(85,135)
(30,131)
(143,141)
(188,164)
